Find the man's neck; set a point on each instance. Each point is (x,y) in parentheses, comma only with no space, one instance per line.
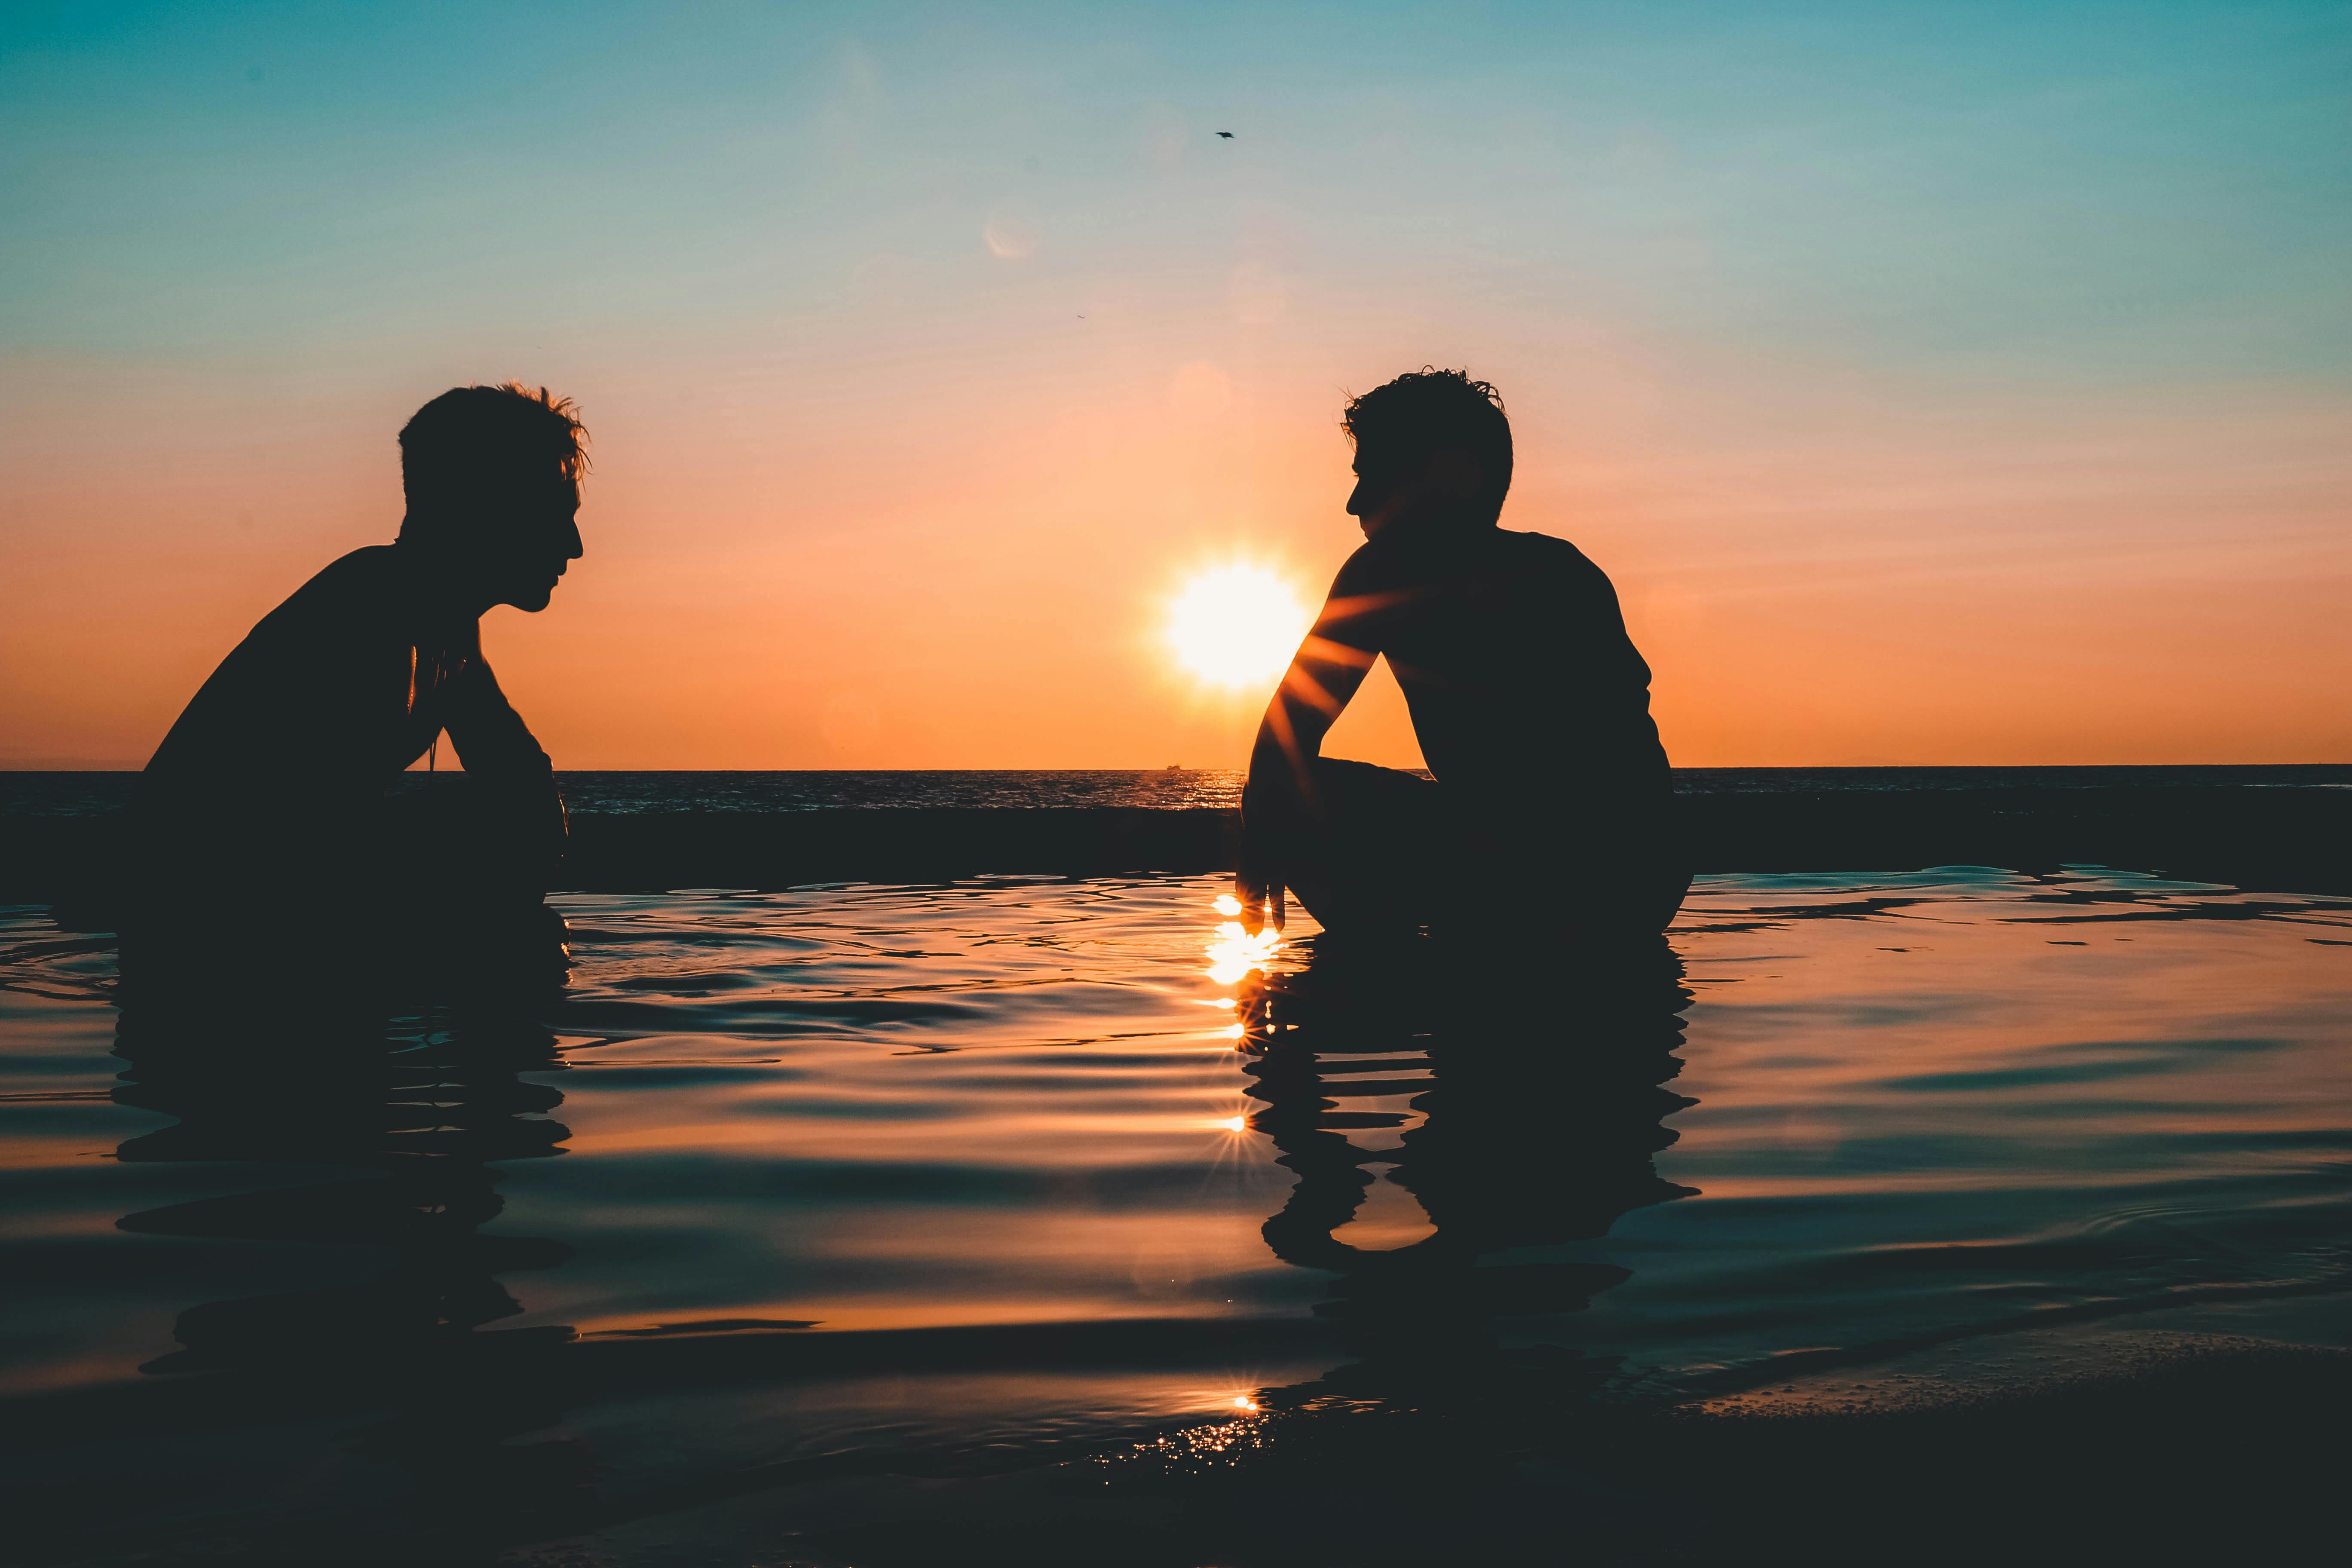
(1441,540)
(437,588)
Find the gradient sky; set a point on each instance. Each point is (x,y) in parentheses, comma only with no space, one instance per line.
(1939,384)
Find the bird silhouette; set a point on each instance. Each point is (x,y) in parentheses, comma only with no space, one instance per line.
(1226,134)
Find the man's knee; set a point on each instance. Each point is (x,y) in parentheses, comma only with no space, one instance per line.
(468,839)
(1360,796)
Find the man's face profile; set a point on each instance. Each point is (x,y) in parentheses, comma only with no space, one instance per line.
(492,480)
(1399,494)
(530,543)
(1375,502)
(509,543)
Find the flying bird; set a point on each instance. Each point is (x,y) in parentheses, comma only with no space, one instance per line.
(1226,134)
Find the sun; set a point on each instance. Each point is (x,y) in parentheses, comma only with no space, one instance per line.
(1236,625)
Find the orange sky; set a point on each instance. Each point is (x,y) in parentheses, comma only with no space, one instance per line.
(951,590)
(1924,410)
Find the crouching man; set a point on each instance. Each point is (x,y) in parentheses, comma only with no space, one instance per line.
(267,821)
(1550,812)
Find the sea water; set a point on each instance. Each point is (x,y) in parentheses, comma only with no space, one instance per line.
(91,793)
(884,1175)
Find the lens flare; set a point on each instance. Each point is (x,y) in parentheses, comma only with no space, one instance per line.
(1236,625)
(1234,953)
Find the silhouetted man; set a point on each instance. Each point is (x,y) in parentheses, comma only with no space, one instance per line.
(1531,705)
(269,797)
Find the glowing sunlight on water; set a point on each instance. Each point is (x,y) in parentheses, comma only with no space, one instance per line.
(1234,953)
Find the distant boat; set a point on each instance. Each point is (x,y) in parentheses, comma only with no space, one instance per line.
(1173,768)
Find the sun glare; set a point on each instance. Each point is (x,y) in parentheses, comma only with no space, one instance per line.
(1236,625)
(1234,953)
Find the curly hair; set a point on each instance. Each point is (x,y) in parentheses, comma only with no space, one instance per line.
(1425,410)
(475,438)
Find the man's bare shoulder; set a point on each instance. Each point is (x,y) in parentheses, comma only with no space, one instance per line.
(1543,548)
(353,598)
(1551,559)
(365,575)
(1364,568)
(370,569)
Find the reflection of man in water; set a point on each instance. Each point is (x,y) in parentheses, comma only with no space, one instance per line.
(1531,705)
(359,1159)
(273,782)
(1542,1116)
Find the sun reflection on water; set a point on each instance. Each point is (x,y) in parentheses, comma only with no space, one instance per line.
(1234,953)
(1245,1428)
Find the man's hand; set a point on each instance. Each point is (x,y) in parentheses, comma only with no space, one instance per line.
(1260,891)
(1258,884)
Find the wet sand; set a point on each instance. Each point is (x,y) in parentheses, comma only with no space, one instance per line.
(2171,1440)
(2189,1436)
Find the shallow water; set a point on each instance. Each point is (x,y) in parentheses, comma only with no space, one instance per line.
(876,1173)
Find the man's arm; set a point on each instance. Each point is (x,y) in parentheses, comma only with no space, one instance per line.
(1324,674)
(495,746)
(491,739)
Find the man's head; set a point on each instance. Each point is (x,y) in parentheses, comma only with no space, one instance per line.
(493,480)
(1433,455)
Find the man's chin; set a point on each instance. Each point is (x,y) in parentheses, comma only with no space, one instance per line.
(530,601)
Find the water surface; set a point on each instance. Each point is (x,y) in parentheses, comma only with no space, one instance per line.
(869,1174)
(631,792)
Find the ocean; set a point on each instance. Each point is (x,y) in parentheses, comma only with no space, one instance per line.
(1063,1181)
(90,793)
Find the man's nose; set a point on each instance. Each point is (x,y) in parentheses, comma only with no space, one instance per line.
(573,549)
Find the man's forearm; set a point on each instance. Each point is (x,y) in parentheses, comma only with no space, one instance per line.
(1268,767)
(1289,738)
(1268,803)
(1279,797)
(492,741)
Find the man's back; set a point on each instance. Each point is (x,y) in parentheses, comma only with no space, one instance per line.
(1514,659)
(332,694)
(315,698)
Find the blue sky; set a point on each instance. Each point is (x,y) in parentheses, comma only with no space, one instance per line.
(2106,191)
